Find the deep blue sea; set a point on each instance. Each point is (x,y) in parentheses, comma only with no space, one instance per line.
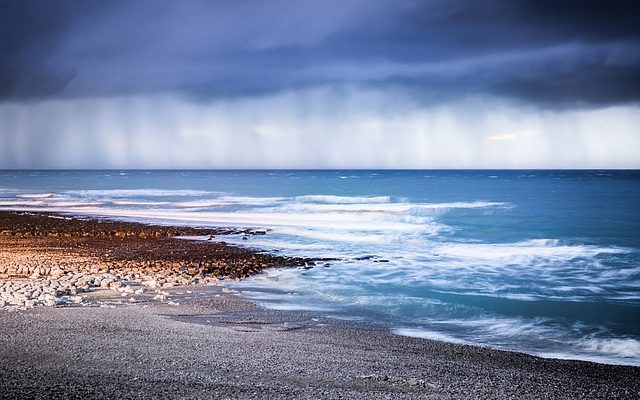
(544,262)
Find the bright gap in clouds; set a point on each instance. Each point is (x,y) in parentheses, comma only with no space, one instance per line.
(321,128)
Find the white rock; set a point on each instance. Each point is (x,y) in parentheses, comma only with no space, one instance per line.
(150,283)
(50,302)
(56,272)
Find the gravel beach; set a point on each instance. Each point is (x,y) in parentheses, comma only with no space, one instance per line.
(224,347)
(188,336)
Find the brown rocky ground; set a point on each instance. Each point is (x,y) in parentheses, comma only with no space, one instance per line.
(51,259)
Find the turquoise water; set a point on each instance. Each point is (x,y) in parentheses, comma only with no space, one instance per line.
(545,262)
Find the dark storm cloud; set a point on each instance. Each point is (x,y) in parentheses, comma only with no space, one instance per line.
(550,53)
(30,31)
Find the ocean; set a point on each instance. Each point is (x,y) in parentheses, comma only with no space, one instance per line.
(540,261)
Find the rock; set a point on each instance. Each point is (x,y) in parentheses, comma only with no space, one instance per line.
(150,283)
(19,296)
(415,382)
(126,289)
(50,301)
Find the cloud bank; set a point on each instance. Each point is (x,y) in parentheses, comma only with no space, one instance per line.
(296,84)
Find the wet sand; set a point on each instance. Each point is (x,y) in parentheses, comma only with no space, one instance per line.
(204,341)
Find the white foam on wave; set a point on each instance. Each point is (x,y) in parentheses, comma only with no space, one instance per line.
(426,334)
(229,200)
(197,204)
(620,350)
(354,207)
(338,236)
(252,201)
(36,195)
(329,226)
(279,244)
(66,204)
(387,207)
(293,307)
(42,205)
(137,192)
(619,347)
(139,203)
(489,328)
(603,359)
(464,204)
(325,198)
(520,252)
(21,203)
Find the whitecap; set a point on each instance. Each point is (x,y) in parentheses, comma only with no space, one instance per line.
(619,347)
(519,252)
(427,334)
(18,203)
(36,195)
(325,198)
(139,203)
(137,192)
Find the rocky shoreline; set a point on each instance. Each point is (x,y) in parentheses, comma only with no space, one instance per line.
(51,260)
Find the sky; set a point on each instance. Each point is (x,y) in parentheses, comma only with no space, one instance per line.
(319,84)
